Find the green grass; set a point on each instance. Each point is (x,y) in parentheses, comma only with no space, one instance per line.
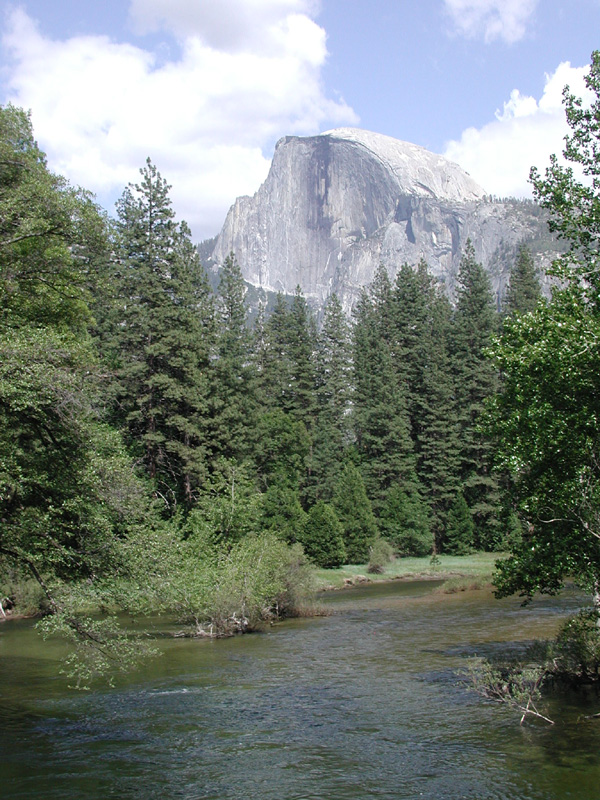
(461,572)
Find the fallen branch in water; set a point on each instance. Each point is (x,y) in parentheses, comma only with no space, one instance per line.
(517,686)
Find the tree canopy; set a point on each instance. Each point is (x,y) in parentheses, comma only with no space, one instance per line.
(545,419)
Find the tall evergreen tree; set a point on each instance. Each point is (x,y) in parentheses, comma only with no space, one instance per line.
(332,431)
(421,322)
(438,436)
(302,346)
(475,322)
(161,340)
(380,414)
(272,357)
(234,391)
(524,289)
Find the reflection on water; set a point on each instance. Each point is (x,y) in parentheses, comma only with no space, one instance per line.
(365,703)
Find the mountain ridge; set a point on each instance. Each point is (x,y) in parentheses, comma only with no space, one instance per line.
(336,205)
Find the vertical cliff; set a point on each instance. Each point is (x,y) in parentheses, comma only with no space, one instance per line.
(335,206)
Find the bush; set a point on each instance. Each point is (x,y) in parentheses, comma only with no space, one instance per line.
(261,578)
(24,594)
(578,646)
(380,554)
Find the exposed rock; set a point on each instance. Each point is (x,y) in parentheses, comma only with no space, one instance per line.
(335,206)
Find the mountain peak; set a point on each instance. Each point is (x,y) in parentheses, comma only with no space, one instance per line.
(418,171)
(336,205)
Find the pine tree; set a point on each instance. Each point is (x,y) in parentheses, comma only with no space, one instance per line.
(301,347)
(523,291)
(404,521)
(354,512)
(234,390)
(160,340)
(380,413)
(281,447)
(460,529)
(421,321)
(475,322)
(282,513)
(332,431)
(271,348)
(322,536)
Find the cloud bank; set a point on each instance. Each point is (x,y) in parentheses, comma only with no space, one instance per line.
(491,19)
(524,134)
(206,118)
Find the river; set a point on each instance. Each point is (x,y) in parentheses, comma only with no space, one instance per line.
(365,703)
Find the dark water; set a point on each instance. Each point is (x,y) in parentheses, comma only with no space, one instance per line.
(365,703)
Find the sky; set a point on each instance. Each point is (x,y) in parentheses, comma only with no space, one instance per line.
(205,88)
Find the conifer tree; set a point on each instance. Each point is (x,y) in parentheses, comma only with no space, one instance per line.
(272,357)
(322,536)
(475,322)
(282,513)
(523,290)
(280,450)
(301,346)
(234,389)
(421,321)
(162,340)
(332,432)
(380,414)
(404,521)
(354,512)
(460,529)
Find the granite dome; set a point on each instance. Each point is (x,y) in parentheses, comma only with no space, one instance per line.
(335,206)
(417,170)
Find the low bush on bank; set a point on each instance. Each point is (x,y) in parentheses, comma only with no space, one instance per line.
(20,594)
(258,580)
(571,660)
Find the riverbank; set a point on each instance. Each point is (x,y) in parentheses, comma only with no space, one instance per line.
(457,572)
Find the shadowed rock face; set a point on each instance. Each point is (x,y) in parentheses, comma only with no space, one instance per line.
(335,206)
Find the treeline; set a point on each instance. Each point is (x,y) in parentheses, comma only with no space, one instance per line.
(145,425)
(326,437)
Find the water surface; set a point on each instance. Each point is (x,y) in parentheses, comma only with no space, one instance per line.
(365,703)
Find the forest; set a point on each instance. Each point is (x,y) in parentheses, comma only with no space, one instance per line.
(159,452)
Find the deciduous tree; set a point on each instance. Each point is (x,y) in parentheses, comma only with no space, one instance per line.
(545,420)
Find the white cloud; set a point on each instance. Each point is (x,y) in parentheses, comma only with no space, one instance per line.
(524,134)
(491,19)
(230,25)
(100,107)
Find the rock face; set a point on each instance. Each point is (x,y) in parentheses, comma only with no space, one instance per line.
(335,206)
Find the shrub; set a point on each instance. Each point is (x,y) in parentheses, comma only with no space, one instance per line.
(259,579)
(578,646)
(380,554)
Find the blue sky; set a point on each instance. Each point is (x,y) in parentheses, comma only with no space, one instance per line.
(206,87)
